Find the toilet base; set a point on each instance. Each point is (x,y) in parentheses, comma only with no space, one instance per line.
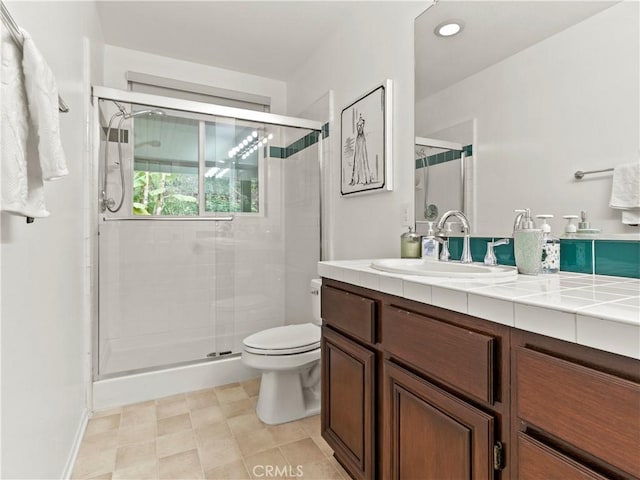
(288,395)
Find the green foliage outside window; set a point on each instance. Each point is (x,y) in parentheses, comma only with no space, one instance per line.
(223,195)
(156,193)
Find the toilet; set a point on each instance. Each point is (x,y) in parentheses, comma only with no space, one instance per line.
(289,359)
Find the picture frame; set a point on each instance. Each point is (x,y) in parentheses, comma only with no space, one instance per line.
(366,143)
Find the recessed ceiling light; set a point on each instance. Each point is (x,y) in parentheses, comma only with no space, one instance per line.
(449,28)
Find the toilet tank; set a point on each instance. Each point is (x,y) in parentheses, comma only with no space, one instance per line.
(314,290)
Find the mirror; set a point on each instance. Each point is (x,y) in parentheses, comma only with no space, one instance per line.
(444,174)
(539,90)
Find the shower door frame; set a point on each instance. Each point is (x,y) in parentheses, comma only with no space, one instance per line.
(156,101)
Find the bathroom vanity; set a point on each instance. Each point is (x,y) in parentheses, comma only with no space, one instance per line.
(418,384)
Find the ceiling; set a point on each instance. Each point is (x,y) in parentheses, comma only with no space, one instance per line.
(265,38)
(493,31)
(273,38)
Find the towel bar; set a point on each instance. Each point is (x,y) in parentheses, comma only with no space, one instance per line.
(17,36)
(580,174)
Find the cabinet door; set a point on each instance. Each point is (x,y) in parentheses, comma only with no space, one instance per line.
(432,434)
(347,402)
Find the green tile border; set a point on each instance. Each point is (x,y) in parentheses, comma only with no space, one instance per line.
(277,152)
(576,255)
(443,157)
(504,253)
(455,248)
(619,258)
(300,144)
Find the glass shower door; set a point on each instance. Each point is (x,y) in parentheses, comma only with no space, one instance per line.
(200,254)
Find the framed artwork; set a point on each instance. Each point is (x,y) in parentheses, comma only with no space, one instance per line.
(365,142)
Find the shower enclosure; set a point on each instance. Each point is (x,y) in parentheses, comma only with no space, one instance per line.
(208,228)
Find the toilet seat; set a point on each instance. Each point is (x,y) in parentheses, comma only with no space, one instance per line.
(286,340)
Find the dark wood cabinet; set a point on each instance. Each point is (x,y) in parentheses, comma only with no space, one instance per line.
(537,461)
(576,410)
(431,434)
(413,391)
(451,353)
(347,419)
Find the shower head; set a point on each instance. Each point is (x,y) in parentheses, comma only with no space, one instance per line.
(144,112)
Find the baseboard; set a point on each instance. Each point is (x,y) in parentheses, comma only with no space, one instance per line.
(77,441)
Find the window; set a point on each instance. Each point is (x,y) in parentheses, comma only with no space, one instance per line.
(231,178)
(165,168)
(177,157)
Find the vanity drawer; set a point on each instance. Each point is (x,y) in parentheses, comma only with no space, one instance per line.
(536,460)
(591,410)
(349,312)
(460,357)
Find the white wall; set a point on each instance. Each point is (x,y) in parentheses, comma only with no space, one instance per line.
(118,61)
(371,47)
(43,294)
(567,103)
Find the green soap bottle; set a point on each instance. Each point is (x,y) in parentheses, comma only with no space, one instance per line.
(410,244)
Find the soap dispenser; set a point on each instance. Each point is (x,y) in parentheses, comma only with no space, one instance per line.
(550,247)
(570,228)
(430,244)
(527,244)
(410,244)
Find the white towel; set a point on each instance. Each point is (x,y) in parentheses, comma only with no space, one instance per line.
(42,94)
(22,189)
(631,217)
(625,192)
(29,112)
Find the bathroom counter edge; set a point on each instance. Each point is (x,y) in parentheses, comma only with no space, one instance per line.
(597,311)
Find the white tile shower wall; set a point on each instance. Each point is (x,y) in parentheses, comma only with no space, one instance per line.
(44,267)
(118,60)
(177,291)
(366,51)
(302,231)
(578,108)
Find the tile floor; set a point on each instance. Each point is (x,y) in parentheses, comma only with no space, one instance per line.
(212,434)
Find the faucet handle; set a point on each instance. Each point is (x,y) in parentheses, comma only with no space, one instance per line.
(490,257)
(502,241)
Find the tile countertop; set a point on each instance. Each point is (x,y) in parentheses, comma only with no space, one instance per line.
(598,311)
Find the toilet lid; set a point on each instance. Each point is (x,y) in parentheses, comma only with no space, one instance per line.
(284,340)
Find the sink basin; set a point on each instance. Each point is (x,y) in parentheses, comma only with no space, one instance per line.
(433,268)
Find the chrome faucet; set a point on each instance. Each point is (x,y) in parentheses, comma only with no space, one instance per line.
(466,249)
